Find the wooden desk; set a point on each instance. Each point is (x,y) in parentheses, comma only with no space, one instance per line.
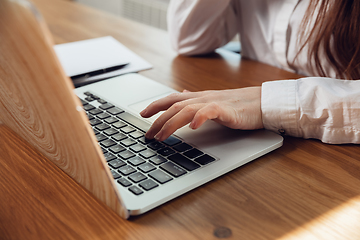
(304,190)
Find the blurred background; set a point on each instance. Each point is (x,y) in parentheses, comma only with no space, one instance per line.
(150,12)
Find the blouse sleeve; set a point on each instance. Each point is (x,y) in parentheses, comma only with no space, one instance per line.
(200,26)
(314,107)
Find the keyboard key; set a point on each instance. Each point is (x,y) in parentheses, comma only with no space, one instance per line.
(106,106)
(103,115)
(135,190)
(90,99)
(111,131)
(115,110)
(137,148)
(102,101)
(107,143)
(126,170)
(128,142)
(138,123)
(160,176)
(183,162)
(156,145)
(88,107)
(136,134)
(124,182)
(173,169)
(116,163)
(118,124)
(204,159)
(115,174)
(111,120)
(102,126)
(182,147)
(95,111)
(87,93)
(126,154)
(117,148)
(119,136)
(136,161)
(127,129)
(165,151)
(171,141)
(108,156)
(148,184)
(193,153)
(95,122)
(101,137)
(147,153)
(146,167)
(158,160)
(137,177)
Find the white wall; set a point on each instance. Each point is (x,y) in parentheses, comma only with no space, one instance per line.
(112,6)
(151,12)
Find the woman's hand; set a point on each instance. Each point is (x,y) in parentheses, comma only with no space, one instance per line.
(237,108)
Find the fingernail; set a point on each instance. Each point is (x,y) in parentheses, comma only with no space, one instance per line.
(148,134)
(192,125)
(143,112)
(158,136)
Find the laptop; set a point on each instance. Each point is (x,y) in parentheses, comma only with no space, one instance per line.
(94,133)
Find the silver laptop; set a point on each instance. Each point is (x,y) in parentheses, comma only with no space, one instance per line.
(217,149)
(127,172)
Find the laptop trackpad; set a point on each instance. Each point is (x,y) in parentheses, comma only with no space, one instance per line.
(139,106)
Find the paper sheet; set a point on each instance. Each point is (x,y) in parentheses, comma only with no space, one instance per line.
(90,55)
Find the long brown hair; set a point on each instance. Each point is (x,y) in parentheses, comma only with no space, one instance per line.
(336,32)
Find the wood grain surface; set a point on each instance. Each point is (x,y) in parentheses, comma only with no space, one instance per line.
(38,103)
(304,190)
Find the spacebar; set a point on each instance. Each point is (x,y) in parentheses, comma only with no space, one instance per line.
(136,122)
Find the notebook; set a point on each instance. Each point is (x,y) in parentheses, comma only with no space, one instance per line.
(40,104)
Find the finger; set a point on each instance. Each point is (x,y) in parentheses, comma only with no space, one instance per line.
(179,120)
(166,102)
(174,109)
(163,104)
(210,111)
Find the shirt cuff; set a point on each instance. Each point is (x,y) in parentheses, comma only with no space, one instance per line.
(279,107)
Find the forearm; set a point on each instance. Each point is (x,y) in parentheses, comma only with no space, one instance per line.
(200,26)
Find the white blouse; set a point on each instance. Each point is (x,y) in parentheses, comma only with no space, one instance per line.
(312,107)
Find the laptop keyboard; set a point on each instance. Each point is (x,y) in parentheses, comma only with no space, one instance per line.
(137,163)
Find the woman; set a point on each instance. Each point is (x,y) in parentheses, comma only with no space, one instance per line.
(322,40)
